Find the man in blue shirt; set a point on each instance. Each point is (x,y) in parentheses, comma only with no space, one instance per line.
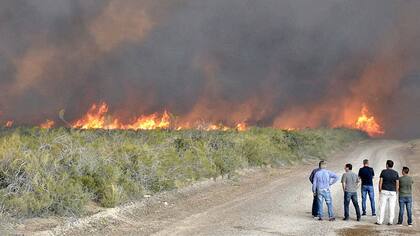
(322,181)
(366,174)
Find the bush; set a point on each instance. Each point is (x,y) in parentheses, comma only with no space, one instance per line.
(57,171)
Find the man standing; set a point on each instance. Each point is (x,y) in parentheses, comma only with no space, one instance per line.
(366,174)
(322,181)
(350,183)
(315,200)
(388,187)
(405,197)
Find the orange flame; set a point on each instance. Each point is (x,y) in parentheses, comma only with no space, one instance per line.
(48,124)
(368,123)
(150,122)
(98,118)
(241,126)
(9,124)
(95,118)
(216,127)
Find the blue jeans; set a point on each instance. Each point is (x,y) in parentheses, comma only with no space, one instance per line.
(351,196)
(366,189)
(406,202)
(324,194)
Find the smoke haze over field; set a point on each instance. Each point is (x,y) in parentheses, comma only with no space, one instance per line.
(291,63)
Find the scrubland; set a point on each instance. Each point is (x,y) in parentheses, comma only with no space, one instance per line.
(46,172)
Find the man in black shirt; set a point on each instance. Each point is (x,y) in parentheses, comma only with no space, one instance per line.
(388,188)
(366,174)
(315,200)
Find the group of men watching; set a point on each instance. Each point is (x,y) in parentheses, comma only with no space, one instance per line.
(389,185)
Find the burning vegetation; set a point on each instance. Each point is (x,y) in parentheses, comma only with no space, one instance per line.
(9,124)
(99,117)
(368,123)
(48,124)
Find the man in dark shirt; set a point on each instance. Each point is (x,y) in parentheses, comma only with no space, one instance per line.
(388,188)
(366,174)
(315,200)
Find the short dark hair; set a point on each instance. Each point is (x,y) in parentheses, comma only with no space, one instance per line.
(322,162)
(406,169)
(349,166)
(389,163)
(365,161)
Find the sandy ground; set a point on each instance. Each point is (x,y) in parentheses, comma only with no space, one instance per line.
(260,202)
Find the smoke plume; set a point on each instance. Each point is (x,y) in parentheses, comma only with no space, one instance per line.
(286,64)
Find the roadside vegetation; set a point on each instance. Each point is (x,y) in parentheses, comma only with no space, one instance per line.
(59,171)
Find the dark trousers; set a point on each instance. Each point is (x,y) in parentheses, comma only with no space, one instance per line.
(406,202)
(351,196)
(315,206)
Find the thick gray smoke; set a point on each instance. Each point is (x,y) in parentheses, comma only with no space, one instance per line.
(265,62)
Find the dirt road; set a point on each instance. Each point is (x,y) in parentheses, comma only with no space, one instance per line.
(269,202)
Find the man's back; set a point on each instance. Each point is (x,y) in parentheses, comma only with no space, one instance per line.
(389,180)
(366,174)
(311,177)
(405,186)
(351,181)
(323,179)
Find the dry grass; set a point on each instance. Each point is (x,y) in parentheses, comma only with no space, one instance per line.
(58,171)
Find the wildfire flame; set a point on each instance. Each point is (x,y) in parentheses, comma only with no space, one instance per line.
(48,124)
(241,126)
(149,122)
(368,123)
(98,117)
(9,124)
